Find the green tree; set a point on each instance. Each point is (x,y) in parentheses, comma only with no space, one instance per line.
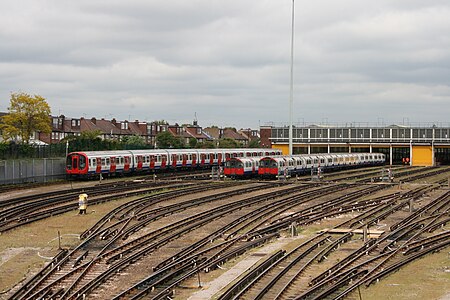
(134,140)
(90,141)
(206,145)
(167,140)
(164,139)
(91,134)
(228,143)
(254,144)
(27,114)
(193,142)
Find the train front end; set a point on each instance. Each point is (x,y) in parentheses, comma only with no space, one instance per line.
(233,167)
(76,165)
(268,167)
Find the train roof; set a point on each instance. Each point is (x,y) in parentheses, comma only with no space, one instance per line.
(102,153)
(248,158)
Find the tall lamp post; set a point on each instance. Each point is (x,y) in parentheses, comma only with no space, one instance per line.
(291,97)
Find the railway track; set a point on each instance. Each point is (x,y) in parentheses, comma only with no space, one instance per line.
(18,211)
(177,233)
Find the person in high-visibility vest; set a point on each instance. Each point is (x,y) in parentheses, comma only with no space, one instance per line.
(82,203)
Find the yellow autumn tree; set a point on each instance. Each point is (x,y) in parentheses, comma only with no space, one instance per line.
(27,114)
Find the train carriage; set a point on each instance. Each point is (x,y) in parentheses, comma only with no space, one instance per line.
(301,164)
(150,160)
(241,167)
(94,163)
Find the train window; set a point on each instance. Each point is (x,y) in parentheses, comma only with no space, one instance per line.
(308,161)
(322,160)
(103,162)
(330,160)
(94,162)
(82,162)
(117,161)
(107,161)
(316,160)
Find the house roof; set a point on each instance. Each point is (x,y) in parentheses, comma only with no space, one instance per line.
(230,133)
(193,131)
(213,132)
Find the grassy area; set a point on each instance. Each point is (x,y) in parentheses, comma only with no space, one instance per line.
(427,278)
(23,251)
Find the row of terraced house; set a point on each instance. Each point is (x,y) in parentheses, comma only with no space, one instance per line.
(63,126)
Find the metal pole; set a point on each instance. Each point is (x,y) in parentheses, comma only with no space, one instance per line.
(291,97)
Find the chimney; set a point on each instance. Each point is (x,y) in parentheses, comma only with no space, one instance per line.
(94,120)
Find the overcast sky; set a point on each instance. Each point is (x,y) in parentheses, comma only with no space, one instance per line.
(228,62)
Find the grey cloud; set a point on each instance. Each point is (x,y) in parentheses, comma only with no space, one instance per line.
(229,61)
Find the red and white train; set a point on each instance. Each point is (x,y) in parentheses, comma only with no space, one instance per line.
(93,163)
(274,166)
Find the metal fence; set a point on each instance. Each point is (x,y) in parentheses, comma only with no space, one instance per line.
(31,170)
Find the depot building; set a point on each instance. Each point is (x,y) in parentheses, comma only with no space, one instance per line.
(413,145)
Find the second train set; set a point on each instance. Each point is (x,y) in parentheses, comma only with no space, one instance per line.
(274,166)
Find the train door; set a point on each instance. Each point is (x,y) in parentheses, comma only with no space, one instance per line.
(202,159)
(184,160)
(75,160)
(152,162)
(219,158)
(126,166)
(112,167)
(211,159)
(174,160)
(139,162)
(194,160)
(163,161)
(98,170)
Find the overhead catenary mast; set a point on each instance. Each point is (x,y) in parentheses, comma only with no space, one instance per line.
(291,96)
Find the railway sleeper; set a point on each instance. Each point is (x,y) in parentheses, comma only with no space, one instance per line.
(334,245)
(250,278)
(80,258)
